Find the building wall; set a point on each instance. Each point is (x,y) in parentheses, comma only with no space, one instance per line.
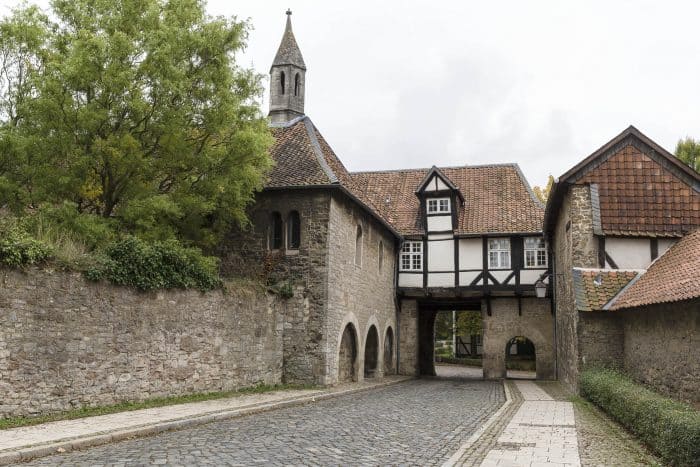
(408,349)
(66,342)
(600,339)
(536,323)
(661,347)
(573,245)
(363,294)
(245,253)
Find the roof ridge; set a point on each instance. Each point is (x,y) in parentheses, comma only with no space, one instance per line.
(576,268)
(619,293)
(310,129)
(470,166)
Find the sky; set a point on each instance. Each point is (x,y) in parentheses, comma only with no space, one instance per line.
(401,84)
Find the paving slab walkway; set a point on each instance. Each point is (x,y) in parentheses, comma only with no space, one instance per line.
(21,444)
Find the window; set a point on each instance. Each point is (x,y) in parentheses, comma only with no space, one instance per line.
(412,256)
(296,84)
(381,255)
(293,231)
(535,252)
(499,253)
(275,241)
(282,82)
(438,205)
(358,246)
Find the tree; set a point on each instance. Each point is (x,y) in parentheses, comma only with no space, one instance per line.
(133,110)
(688,150)
(543,193)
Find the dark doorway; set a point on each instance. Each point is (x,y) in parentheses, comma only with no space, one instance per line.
(389,352)
(347,357)
(521,361)
(371,352)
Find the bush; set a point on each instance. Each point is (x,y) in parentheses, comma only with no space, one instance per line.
(158,265)
(670,428)
(19,248)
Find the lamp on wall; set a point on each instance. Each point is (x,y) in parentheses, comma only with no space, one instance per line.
(540,289)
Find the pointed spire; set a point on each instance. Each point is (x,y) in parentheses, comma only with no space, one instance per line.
(288,52)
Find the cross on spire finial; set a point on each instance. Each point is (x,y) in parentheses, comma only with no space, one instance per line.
(289,12)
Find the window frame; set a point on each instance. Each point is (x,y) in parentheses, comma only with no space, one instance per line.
(272,245)
(359,234)
(293,218)
(500,264)
(438,206)
(537,251)
(411,250)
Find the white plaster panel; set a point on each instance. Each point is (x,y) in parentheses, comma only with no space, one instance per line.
(438,223)
(530,276)
(431,184)
(440,184)
(500,274)
(466,278)
(665,244)
(629,253)
(410,280)
(470,253)
(441,279)
(441,255)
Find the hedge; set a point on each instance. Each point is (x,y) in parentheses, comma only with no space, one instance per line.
(670,428)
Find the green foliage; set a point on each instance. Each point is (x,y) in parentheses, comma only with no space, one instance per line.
(18,247)
(688,150)
(135,111)
(542,193)
(157,265)
(469,323)
(670,428)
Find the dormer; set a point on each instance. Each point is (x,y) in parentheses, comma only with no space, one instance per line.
(440,201)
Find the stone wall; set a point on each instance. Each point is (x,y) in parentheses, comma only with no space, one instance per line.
(661,347)
(362,294)
(66,342)
(535,323)
(408,350)
(600,339)
(573,245)
(246,252)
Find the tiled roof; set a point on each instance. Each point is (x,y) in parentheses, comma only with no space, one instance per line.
(643,190)
(288,52)
(673,277)
(497,198)
(593,288)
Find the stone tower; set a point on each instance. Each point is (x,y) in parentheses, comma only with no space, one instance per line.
(287,79)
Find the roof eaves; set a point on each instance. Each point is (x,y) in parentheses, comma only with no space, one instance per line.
(288,124)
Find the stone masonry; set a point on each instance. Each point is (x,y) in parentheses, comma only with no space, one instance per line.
(66,342)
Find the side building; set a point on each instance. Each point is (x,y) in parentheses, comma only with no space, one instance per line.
(607,219)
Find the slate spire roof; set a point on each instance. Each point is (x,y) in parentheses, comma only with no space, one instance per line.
(288,52)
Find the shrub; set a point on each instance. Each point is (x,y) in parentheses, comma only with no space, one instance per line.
(19,248)
(157,265)
(670,428)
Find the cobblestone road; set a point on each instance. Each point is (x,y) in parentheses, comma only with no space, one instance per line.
(420,422)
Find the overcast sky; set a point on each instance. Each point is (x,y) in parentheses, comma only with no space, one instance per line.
(397,84)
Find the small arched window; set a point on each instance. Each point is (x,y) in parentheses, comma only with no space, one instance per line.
(293,231)
(296,84)
(358,246)
(381,255)
(275,242)
(282,82)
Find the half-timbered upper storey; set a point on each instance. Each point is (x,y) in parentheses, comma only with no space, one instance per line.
(469,230)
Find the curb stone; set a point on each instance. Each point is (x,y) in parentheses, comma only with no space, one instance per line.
(23,454)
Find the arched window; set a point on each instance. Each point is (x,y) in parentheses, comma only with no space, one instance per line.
(275,242)
(296,84)
(381,255)
(293,231)
(282,82)
(358,247)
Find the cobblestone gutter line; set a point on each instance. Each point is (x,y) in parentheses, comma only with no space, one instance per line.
(475,449)
(26,453)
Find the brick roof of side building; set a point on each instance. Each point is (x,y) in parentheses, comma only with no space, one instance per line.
(498,199)
(673,277)
(594,288)
(642,189)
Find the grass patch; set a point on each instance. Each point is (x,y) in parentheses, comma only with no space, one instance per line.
(670,428)
(127,406)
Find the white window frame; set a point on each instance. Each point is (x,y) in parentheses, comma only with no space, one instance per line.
(500,253)
(538,253)
(439,206)
(412,254)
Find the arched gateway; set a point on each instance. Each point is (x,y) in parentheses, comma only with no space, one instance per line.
(347,356)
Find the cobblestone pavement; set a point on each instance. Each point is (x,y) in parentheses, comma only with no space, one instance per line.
(421,422)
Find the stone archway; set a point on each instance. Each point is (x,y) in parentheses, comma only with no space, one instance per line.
(521,358)
(347,355)
(389,351)
(371,352)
